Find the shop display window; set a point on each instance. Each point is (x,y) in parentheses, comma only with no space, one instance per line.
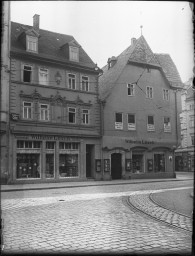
(28,166)
(68,165)
(137,161)
(49,166)
(159,162)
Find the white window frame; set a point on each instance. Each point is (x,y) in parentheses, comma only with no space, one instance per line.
(70,81)
(85,116)
(31,44)
(45,73)
(74,53)
(130,89)
(167,127)
(166,94)
(44,112)
(118,125)
(73,112)
(23,69)
(191,121)
(27,110)
(85,83)
(131,126)
(149,92)
(150,127)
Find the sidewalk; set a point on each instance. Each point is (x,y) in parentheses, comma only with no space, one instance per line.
(20,187)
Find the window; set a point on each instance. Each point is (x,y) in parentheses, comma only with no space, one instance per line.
(192,139)
(85,83)
(167,124)
(71,81)
(69,145)
(72,115)
(118,121)
(27,110)
(131,122)
(43,76)
(165,94)
(27,73)
(149,92)
(32,43)
(44,112)
(85,116)
(130,90)
(150,124)
(191,106)
(74,53)
(49,145)
(191,122)
(28,144)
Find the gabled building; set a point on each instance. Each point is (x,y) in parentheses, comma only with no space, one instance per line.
(185,152)
(54,107)
(140,98)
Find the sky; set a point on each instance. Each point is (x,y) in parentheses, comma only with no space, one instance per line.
(105,28)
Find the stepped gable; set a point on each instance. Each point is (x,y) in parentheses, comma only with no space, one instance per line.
(49,45)
(143,54)
(169,69)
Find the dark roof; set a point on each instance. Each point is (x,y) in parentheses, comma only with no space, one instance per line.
(169,69)
(138,53)
(49,45)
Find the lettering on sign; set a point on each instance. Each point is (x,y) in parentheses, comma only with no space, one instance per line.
(47,137)
(139,141)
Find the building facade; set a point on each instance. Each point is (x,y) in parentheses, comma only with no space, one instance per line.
(139,91)
(54,107)
(185,152)
(4,96)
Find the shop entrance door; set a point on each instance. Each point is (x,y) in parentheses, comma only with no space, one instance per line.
(116,166)
(89,165)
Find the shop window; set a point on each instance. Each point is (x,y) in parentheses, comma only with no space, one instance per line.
(49,145)
(150,124)
(167,124)
(27,73)
(149,92)
(85,83)
(27,110)
(165,94)
(74,53)
(43,76)
(118,121)
(85,116)
(72,115)
(72,81)
(130,89)
(28,166)
(137,163)
(44,112)
(159,162)
(69,145)
(49,173)
(131,122)
(68,165)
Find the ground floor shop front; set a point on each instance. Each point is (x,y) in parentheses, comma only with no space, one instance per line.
(125,158)
(184,159)
(52,158)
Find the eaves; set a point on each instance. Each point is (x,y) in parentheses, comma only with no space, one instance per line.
(53,61)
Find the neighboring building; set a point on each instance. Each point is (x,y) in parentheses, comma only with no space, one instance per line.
(4,96)
(185,152)
(140,98)
(54,107)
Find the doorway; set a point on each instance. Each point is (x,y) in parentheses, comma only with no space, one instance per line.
(89,161)
(116,166)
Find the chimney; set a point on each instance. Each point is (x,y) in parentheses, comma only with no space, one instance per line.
(133,41)
(36,22)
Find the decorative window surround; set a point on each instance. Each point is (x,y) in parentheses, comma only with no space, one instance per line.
(27,110)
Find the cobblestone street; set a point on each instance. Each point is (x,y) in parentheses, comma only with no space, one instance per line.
(88,223)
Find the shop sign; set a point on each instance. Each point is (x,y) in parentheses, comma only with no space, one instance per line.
(47,137)
(118,126)
(139,141)
(14,116)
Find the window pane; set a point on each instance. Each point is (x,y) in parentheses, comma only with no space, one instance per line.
(119,117)
(27,74)
(131,119)
(150,120)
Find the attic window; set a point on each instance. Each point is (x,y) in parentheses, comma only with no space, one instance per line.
(74,53)
(32,44)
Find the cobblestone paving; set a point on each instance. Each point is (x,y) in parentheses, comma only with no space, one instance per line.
(89,225)
(143,203)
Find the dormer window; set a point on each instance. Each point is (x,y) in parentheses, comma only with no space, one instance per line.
(31,44)
(74,53)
